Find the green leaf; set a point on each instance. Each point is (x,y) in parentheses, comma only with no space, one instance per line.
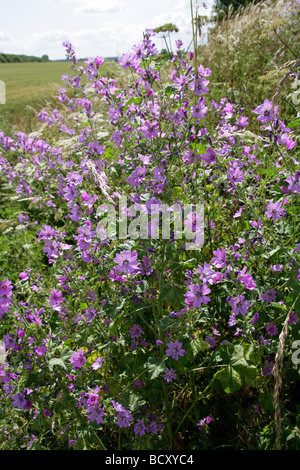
(271,253)
(62,361)
(164,323)
(173,294)
(133,401)
(239,372)
(171,90)
(155,367)
(56,361)
(294,123)
(198,345)
(137,100)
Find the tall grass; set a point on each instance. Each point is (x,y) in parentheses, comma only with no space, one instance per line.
(249,53)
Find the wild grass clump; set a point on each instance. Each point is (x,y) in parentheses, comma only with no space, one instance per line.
(150,265)
(248,53)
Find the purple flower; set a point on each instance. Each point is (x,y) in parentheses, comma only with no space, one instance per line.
(246,279)
(169,375)
(267,369)
(207,274)
(46,233)
(201,423)
(293,318)
(129,60)
(272,329)
(199,86)
(135,331)
(269,295)
(232,320)
(77,359)
(150,129)
(211,340)
(275,210)
(195,295)
(24,276)
(95,413)
(139,427)
(124,419)
(277,267)
(199,109)
(266,114)
(235,175)
(126,262)
(209,156)
(72,442)
(294,182)
(242,121)
(174,350)
(41,350)
(240,305)
(255,318)
(19,400)
(85,236)
(56,299)
(219,261)
(97,364)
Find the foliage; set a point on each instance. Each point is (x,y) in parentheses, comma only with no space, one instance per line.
(249,55)
(226,8)
(7,58)
(142,340)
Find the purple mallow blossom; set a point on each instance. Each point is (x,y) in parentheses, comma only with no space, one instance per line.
(169,375)
(95,413)
(77,359)
(174,350)
(275,210)
(239,304)
(19,401)
(135,331)
(139,428)
(272,329)
(127,262)
(245,278)
(196,295)
(219,260)
(5,296)
(269,295)
(266,111)
(294,182)
(202,422)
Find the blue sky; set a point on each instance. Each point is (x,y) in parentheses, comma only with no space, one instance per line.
(94,27)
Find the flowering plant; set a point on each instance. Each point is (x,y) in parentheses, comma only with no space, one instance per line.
(122,341)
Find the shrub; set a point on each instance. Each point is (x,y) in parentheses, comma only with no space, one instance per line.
(118,334)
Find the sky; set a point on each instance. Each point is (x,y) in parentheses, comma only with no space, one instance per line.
(106,28)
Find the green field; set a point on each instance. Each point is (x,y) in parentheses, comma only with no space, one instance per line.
(29,87)
(28,84)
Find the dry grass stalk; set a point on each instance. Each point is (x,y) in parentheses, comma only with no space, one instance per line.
(277,370)
(292,64)
(100,178)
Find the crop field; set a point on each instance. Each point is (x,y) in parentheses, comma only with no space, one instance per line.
(30,86)
(150,244)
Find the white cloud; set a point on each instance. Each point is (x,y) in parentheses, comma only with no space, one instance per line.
(100,6)
(5,36)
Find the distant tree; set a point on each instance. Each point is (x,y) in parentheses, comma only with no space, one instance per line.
(45,58)
(165,31)
(221,7)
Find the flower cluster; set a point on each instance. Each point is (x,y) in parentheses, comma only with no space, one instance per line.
(110,335)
